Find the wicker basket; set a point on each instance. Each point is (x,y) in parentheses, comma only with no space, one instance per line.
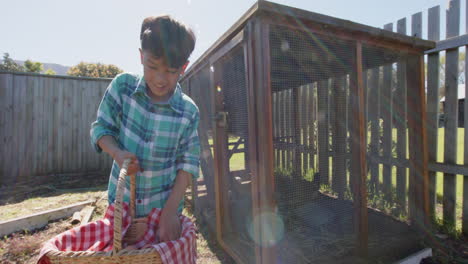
(134,233)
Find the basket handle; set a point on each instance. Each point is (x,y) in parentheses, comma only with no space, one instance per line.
(118,205)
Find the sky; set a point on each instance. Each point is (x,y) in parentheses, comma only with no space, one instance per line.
(107,31)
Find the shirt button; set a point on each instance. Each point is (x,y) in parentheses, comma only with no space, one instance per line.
(139,201)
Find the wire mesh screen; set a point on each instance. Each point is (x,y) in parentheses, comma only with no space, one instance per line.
(311,75)
(232,85)
(203,193)
(387,146)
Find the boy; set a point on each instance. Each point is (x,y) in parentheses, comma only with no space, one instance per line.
(149,120)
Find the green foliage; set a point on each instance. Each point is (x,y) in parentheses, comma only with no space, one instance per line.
(31,66)
(96,70)
(50,72)
(8,64)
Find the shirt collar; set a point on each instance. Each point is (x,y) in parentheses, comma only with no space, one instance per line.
(175,101)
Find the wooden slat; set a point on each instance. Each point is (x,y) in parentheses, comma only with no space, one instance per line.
(29,134)
(322,98)
(266,185)
(207,157)
(280,127)
(451,112)
(312,119)
(296,126)
(290,127)
(400,109)
(286,134)
(386,112)
(44,125)
(339,137)
(275,127)
(304,115)
(449,43)
(252,58)
(221,162)
(6,123)
(55,126)
(433,84)
(74,127)
(374,113)
(418,177)
(358,158)
(22,131)
(465,157)
(50,126)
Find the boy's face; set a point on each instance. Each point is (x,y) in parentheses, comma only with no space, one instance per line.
(160,79)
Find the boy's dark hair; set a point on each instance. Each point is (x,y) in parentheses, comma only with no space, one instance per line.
(167,38)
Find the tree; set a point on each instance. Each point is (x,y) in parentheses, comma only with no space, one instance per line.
(96,70)
(50,72)
(8,64)
(32,66)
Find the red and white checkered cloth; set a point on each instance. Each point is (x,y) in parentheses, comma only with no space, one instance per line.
(98,236)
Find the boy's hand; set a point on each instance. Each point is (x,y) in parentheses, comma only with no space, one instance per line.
(169,227)
(121,155)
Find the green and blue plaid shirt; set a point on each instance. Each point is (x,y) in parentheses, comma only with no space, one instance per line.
(162,135)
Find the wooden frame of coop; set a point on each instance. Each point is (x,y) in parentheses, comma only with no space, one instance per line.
(257,121)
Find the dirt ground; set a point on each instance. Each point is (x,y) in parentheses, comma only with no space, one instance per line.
(24,247)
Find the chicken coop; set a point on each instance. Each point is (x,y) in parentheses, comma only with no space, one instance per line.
(313,139)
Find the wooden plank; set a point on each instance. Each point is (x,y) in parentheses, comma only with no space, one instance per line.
(386,112)
(418,177)
(67,86)
(74,126)
(6,127)
(60,128)
(416,257)
(339,137)
(304,127)
(90,119)
(206,157)
(50,126)
(358,157)
(322,114)
(284,131)
(296,127)
(263,112)
(374,114)
(94,107)
(39,220)
(86,214)
(290,128)
(28,161)
(79,125)
(223,218)
(313,127)
(451,112)
(399,117)
(42,127)
(22,132)
(433,84)
(465,157)
(251,61)
(449,43)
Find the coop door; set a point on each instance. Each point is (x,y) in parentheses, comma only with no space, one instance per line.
(233,177)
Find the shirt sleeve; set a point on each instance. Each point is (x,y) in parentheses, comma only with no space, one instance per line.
(188,152)
(109,115)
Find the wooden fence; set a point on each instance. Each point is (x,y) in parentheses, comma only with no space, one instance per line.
(44,126)
(451,147)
